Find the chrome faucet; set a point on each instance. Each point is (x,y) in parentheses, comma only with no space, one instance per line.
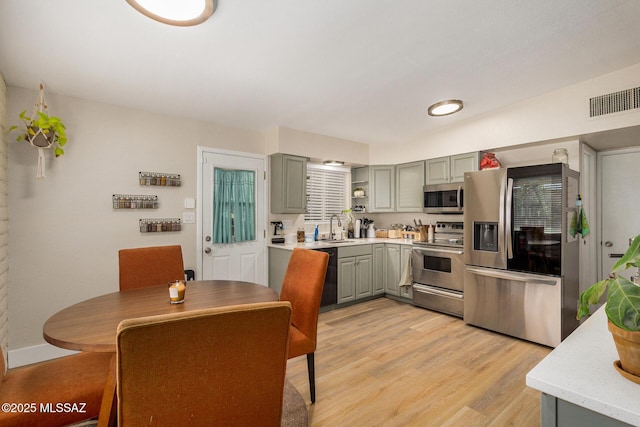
(331,233)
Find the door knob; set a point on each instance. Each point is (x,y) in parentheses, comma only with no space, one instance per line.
(207,250)
(608,243)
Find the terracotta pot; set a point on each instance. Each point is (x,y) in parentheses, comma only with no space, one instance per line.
(628,346)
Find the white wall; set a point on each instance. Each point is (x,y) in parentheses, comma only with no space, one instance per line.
(315,146)
(65,236)
(560,114)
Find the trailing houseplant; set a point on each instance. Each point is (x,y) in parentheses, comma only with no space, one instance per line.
(43,131)
(622,307)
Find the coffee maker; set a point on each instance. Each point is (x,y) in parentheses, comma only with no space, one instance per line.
(278,231)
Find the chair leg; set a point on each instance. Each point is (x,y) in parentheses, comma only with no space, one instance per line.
(312,376)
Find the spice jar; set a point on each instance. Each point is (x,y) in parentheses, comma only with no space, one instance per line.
(300,235)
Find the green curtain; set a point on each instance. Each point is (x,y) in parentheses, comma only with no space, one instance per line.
(233,206)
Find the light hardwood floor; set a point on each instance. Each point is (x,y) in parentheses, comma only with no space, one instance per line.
(386,363)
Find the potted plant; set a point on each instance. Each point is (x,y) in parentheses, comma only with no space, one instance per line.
(43,131)
(622,309)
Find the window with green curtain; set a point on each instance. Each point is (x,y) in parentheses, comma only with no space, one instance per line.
(234,213)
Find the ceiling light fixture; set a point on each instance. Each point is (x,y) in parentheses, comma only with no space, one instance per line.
(333,163)
(444,108)
(182,13)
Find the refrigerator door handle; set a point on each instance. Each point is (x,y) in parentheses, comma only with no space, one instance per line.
(508,229)
(501,226)
(508,275)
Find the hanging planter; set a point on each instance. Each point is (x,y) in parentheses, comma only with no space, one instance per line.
(42,131)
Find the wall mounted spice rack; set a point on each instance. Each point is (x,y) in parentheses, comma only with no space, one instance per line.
(160,179)
(150,225)
(133,201)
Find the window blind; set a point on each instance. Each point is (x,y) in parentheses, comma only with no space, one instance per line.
(327,192)
(537,202)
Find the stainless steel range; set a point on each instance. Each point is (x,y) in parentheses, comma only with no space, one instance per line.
(438,270)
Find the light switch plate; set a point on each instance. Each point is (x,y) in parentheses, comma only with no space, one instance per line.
(188,217)
(190,203)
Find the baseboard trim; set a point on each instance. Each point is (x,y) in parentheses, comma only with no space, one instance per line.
(34,354)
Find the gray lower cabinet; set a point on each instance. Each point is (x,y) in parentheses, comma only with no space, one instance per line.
(278,262)
(392,268)
(560,413)
(355,269)
(363,270)
(396,257)
(405,256)
(378,268)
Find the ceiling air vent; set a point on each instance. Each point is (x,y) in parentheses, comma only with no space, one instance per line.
(615,102)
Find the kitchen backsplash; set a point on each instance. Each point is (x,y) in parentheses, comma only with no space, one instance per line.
(292,222)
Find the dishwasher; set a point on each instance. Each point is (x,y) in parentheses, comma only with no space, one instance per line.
(330,290)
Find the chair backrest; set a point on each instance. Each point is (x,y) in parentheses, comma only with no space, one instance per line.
(302,287)
(155,265)
(220,366)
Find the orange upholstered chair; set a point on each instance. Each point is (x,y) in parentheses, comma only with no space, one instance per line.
(155,265)
(302,287)
(78,379)
(221,366)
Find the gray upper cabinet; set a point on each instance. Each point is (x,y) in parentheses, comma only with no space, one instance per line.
(409,183)
(288,184)
(382,185)
(437,170)
(464,163)
(443,170)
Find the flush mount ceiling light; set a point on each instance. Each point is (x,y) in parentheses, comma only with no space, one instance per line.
(444,108)
(182,13)
(333,163)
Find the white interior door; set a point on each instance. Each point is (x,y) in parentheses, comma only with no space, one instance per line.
(246,261)
(619,204)
(590,245)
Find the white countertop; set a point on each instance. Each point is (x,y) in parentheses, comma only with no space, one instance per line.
(580,370)
(347,242)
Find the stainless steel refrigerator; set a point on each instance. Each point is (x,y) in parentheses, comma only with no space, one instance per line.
(521,262)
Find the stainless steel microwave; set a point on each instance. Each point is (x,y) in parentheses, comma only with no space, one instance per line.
(444,198)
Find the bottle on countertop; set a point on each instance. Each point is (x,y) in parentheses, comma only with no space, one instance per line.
(430,232)
(315,233)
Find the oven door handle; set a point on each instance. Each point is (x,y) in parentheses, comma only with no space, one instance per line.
(458,198)
(446,251)
(417,287)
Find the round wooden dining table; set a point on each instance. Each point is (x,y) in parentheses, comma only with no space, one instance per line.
(91,325)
